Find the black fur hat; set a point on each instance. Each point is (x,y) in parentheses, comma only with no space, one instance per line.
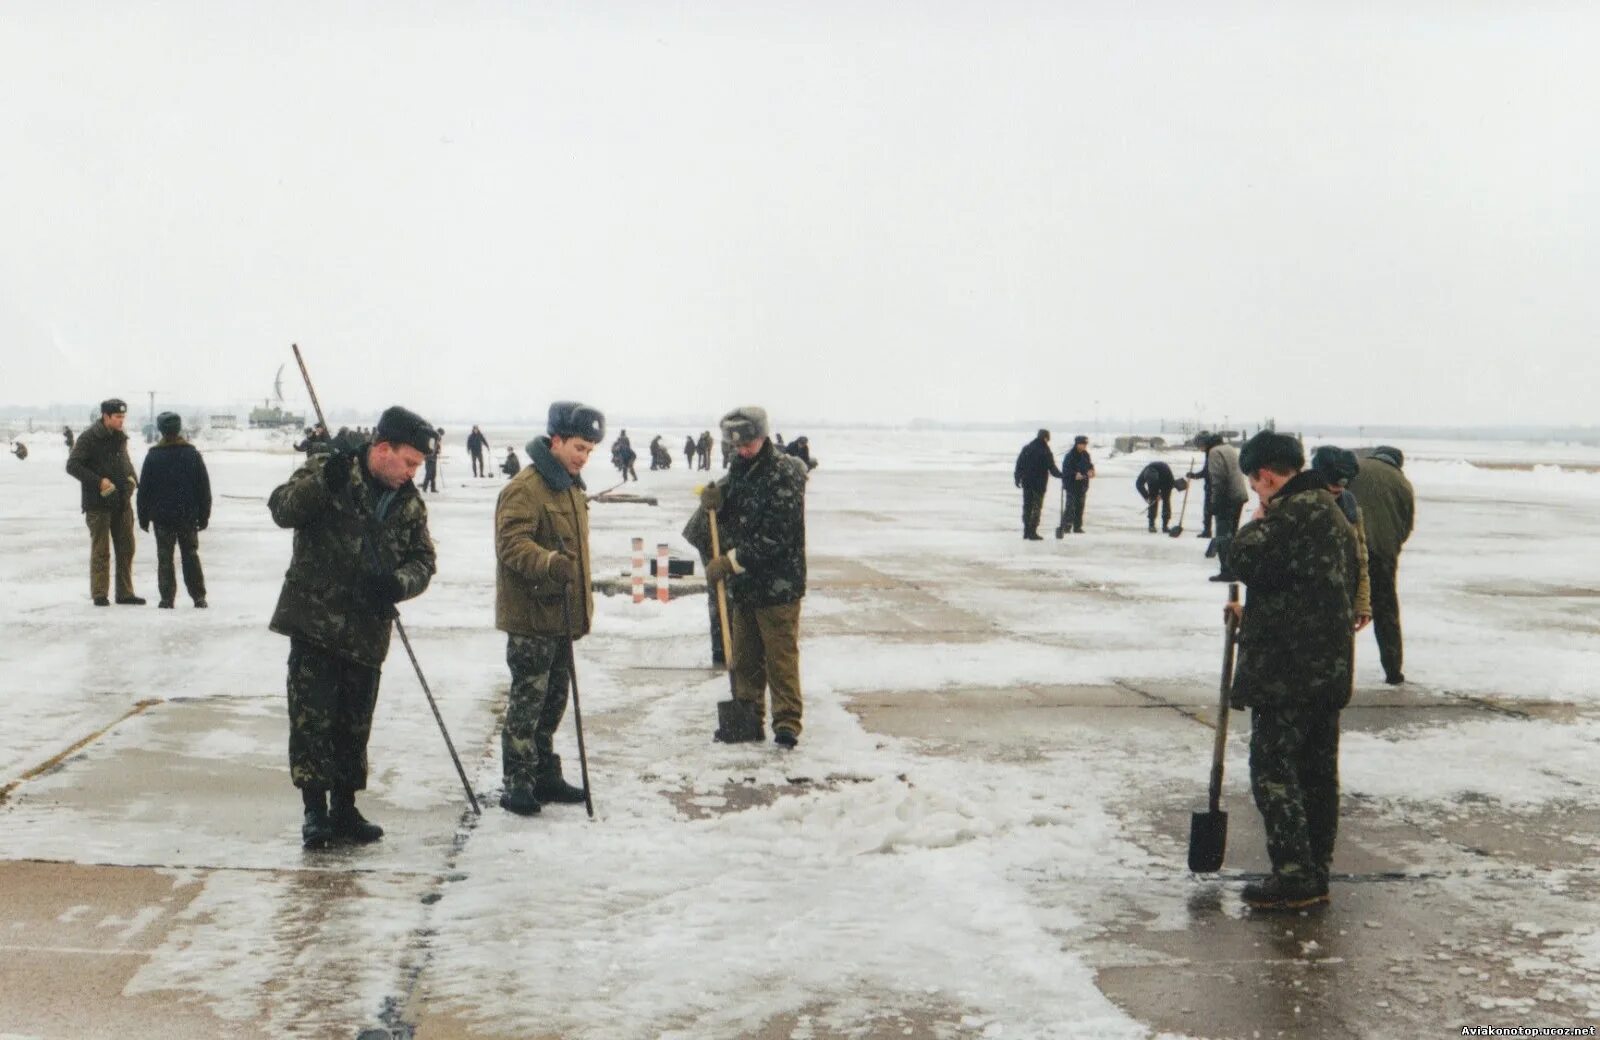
(1334,465)
(169,424)
(1271,450)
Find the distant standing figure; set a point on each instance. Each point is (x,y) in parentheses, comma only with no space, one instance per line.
(704,447)
(66,435)
(1389,507)
(623,455)
(688,452)
(477,445)
(1155,485)
(511,466)
(99,462)
(430,464)
(175,495)
(1077,469)
(1035,466)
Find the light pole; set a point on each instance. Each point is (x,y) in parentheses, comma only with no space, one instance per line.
(150,429)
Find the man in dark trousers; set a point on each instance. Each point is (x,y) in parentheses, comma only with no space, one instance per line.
(1077,469)
(100,464)
(175,495)
(704,447)
(543,599)
(1155,485)
(688,452)
(477,447)
(361,545)
(430,465)
(1389,507)
(1297,558)
(1035,466)
(761,513)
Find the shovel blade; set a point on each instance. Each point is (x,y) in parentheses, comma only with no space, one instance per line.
(1176,532)
(1208,840)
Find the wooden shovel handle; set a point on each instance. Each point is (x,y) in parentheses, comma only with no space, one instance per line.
(722,596)
(1219,746)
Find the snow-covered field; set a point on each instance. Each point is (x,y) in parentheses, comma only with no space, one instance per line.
(721,890)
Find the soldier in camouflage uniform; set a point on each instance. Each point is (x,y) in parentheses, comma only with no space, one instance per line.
(1297,557)
(361,545)
(543,600)
(761,512)
(99,462)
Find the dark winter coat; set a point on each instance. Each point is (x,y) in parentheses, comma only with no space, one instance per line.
(1388,505)
(325,599)
(542,511)
(102,452)
(1035,465)
(477,443)
(511,466)
(174,487)
(762,522)
(1299,564)
(1076,462)
(1154,481)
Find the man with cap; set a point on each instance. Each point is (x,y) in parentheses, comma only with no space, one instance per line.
(1297,558)
(761,514)
(175,495)
(543,600)
(1077,469)
(1155,484)
(430,465)
(1337,467)
(1035,466)
(1389,506)
(361,545)
(100,463)
(477,447)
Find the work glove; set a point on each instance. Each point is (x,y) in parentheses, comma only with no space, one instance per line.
(336,472)
(711,497)
(718,569)
(384,588)
(144,525)
(563,569)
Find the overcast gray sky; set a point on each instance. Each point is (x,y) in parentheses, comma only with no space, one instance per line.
(844,211)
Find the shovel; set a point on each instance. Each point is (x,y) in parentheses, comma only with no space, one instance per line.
(1061,528)
(1177,532)
(1208,831)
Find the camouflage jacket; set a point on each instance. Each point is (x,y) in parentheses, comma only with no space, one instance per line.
(1299,565)
(324,598)
(763,522)
(540,512)
(102,452)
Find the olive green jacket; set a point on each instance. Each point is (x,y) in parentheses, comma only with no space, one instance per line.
(100,452)
(541,511)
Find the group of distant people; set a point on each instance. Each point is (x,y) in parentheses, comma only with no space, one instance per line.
(172,493)
(1319,558)
(696,453)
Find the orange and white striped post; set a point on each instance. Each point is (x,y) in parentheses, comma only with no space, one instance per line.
(638,570)
(663,593)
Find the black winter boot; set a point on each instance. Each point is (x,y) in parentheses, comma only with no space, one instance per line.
(521,801)
(556,789)
(1278,894)
(348,823)
(317,831)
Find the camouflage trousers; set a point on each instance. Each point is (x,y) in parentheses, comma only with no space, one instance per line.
(539,679)
(331,699)
(186,541)
(766,653)
(110,529)
(1294,775)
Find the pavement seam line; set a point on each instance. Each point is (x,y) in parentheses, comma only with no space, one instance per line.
(54,760)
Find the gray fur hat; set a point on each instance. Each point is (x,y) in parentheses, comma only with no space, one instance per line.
(1393,456)
(169,423)
(575,419)
(744,424)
